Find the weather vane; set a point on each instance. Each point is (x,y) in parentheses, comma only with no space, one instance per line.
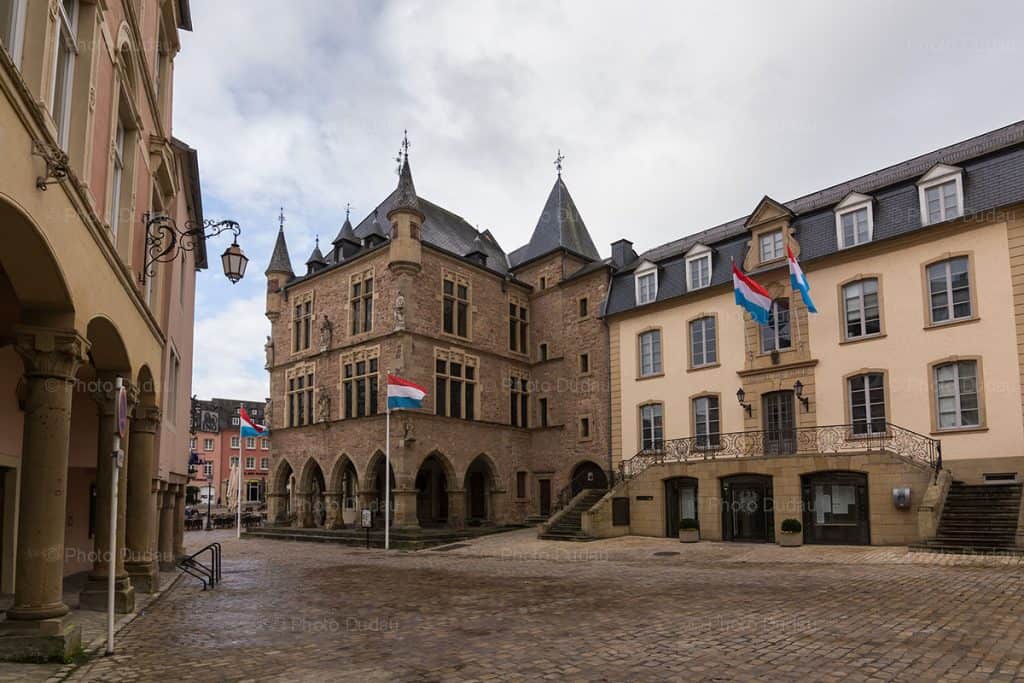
(280,218)
(558,163)
(348,209)
(403,154)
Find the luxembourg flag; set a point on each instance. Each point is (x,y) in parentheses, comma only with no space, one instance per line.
(799,281)
(404,394)
(751,296)
(248,427)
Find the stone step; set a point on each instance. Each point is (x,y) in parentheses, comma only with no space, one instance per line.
(953,549)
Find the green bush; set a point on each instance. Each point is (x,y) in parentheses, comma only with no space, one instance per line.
(686,524)
(792,526)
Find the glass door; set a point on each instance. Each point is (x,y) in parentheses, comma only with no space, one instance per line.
(779,423)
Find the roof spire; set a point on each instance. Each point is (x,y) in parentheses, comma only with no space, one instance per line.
(280,219)
(280,262)
(558,163)
(348,209)
(405,195)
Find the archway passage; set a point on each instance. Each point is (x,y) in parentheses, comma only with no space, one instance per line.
(313,488)
(432,493)
(479,485)
(280,497)
(588,475)
(377,487)
(345,486)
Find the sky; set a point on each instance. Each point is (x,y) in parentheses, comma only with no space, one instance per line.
(673,117)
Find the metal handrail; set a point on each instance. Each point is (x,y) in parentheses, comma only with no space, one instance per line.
(565,493)
(209,575)
(838,439)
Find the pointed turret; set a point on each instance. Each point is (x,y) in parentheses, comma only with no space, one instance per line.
(279,272)
(560,226)
(406,219)
(346,243)
(280,262)
(405,196)
(316,260)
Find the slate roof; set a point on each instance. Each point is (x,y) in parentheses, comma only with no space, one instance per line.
(993,166)
(280,262)
(560,226)
(346,234)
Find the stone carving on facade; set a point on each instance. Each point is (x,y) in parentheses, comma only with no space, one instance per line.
(268,349)
(267,412)
(408,433)
(323,405)
(326,333)
(400,312)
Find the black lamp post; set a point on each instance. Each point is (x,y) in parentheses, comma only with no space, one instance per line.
(798,389)
(741,397)
(165,241)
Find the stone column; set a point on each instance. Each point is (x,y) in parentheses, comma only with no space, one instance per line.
(94,595)
(167,529)
(457,508)
(403,508)
(142,514)
(333,502)
(179,521)
(37,625)
(277,504)
(303,510)
(499,504)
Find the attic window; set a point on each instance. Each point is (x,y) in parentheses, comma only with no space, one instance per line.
(698,271)
(855,221)
(941,194)
(646,284)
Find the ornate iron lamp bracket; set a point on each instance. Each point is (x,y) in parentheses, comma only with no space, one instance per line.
(165,240)
(56,161)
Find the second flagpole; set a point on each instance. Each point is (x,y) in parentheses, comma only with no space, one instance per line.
(387,480)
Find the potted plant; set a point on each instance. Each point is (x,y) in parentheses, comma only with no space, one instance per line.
(689,530)
(792,535)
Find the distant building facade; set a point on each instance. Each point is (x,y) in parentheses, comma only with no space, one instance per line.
(215,447)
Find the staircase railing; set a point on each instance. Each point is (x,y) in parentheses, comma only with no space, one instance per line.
(583,480)
(829,439)
(210,574)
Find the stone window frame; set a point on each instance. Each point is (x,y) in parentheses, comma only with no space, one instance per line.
(449,355)
(522,485)
(774,328)
(717,396)
(933,409)
(301,328)
(853,204)
(690,365)
(543,351)
(940,174)
(583,307)
(640,427)
(522,395)
(585,428)
(841,298)
(306,372)
(543,412)
(660,372)
(457,279)
(519,324)
(972,284)
(360,321)
(586,368)
(848,402)
(758,238)
(364,354)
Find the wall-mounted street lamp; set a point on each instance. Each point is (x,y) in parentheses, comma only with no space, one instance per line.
(741,396)
(165,240)
(798,389)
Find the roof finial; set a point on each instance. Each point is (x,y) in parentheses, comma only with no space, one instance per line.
(280,218)
(403,153)
(405,144)
(558,163)
(348,209)
(318,241)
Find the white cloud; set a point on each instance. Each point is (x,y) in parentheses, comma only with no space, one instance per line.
(229,352)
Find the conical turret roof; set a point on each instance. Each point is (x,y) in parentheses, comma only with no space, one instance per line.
(560,226)
(280,262)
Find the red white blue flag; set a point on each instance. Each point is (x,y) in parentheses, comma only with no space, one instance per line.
(250,428)
(751,296)
(404,394)
(799,281)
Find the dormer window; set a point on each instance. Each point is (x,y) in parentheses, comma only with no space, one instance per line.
(698,268)
(646,284)
(941,194)
(770,246)
(855,222)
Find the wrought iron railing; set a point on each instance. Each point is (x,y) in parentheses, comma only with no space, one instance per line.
(829,439)
(583,480)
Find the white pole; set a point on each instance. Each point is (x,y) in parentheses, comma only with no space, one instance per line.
(112,561)
(238,515)
(387,482)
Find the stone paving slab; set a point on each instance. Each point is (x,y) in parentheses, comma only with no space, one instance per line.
(513,608)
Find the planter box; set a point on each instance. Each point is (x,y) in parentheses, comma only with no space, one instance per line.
(689,535)
(791,540)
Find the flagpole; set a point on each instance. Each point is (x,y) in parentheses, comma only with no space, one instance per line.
(387,480)
(238,514)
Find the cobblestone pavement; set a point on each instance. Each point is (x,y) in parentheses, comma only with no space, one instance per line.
(510,607)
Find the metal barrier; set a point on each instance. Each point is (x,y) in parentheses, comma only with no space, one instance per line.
(209,575)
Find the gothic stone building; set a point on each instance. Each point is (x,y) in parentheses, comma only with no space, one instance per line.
(510,346)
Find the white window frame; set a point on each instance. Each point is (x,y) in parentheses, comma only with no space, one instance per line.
(870,407)
(940,174)
(704,437)
(264,444)
(264,463)
(781,244)
(948,289)
(234,461)
(235,442)
(207,445)
(706,349)
(67,34)
(115,186)
(645,270)
(657,431)
(250,443)
(208,470)
(693,259)
(861,299)
(250,462)
(656,367)
(15,40)
(958,395)
(854,203)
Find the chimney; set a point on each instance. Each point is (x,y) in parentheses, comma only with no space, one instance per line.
(622,253)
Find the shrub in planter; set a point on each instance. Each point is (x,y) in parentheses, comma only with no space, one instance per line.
(792,533)
(689,530)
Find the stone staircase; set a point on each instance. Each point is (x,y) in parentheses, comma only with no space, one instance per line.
(977,519)
(568,525)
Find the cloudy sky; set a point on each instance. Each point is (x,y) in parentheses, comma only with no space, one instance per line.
(673,117)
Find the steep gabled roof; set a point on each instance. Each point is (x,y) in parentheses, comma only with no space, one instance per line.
(560,226)
(346,234)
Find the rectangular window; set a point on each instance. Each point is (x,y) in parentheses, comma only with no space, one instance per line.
(543,403)
(956,392)
(584,307)
(455,383)
(235,422)
(855,227)
(264,444)
(703,342)
(207,444)
(776,335)
(584,363)
(115,192)
(517,326)
(698,271)
(519,401)
(234,442)
(360,383)
(706,426)
(543,282)
(66,50)
(771,247)
(650,353)
(520,484)
(250,462)
(234,461)
(208,470)
(455,313)
(646,287)
(949,290)
(172,389)
(252,492)
(867,403)
(264,463)
(300,398)
(543,350)
(942,202)
(361,303)
(12,28)
(860,309)
(302,323)
(192,444)
(584,427)
(250,443)
(652,437)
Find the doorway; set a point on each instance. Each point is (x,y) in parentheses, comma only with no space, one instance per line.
(680,502)
(545,497)
(588,475)
(748,508)
(836,508)
(779,423)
